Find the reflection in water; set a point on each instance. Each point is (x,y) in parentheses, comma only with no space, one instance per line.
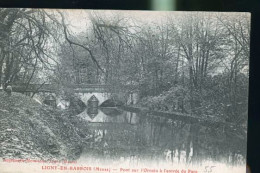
(92,112)
(134,139)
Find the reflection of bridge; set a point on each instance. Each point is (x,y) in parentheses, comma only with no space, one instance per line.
(111,126)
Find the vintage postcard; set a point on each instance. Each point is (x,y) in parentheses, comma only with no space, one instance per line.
(106,91)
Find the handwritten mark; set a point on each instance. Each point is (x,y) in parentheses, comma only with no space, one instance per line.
(208,169)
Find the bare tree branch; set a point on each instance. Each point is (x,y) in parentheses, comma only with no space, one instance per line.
(78,44)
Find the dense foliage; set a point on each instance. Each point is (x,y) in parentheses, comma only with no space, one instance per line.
(194,62)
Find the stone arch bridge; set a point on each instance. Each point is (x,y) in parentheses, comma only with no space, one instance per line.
(84,91)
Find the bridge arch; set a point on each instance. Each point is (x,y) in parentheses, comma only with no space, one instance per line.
(100,96)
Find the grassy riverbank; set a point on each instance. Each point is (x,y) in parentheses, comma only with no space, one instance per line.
(32,130)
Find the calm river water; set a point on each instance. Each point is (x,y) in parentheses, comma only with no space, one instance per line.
(120,136)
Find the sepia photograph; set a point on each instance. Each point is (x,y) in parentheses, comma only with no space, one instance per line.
(103,91)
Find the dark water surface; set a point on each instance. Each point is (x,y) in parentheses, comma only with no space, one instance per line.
(123,136)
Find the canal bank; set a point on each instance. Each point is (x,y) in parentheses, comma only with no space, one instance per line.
(203,120)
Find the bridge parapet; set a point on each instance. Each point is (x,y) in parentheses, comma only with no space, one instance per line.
(78,88)
(33,88)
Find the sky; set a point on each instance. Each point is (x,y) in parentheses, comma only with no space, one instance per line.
(79,20)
